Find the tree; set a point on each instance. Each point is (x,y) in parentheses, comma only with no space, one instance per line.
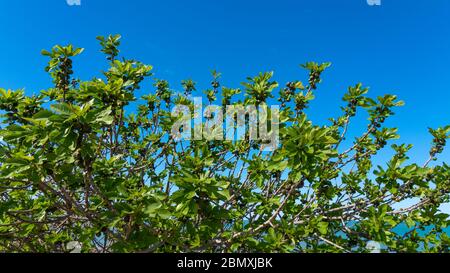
(75,166)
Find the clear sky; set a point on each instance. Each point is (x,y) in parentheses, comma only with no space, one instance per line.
(400,47)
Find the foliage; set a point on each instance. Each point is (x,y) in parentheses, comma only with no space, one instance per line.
(75,166)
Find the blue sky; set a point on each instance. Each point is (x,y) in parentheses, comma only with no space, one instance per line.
(400,47)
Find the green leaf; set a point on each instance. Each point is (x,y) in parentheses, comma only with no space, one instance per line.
(63,109)
(323,227)
(152,208)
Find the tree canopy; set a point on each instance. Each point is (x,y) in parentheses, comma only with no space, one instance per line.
(77,165)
